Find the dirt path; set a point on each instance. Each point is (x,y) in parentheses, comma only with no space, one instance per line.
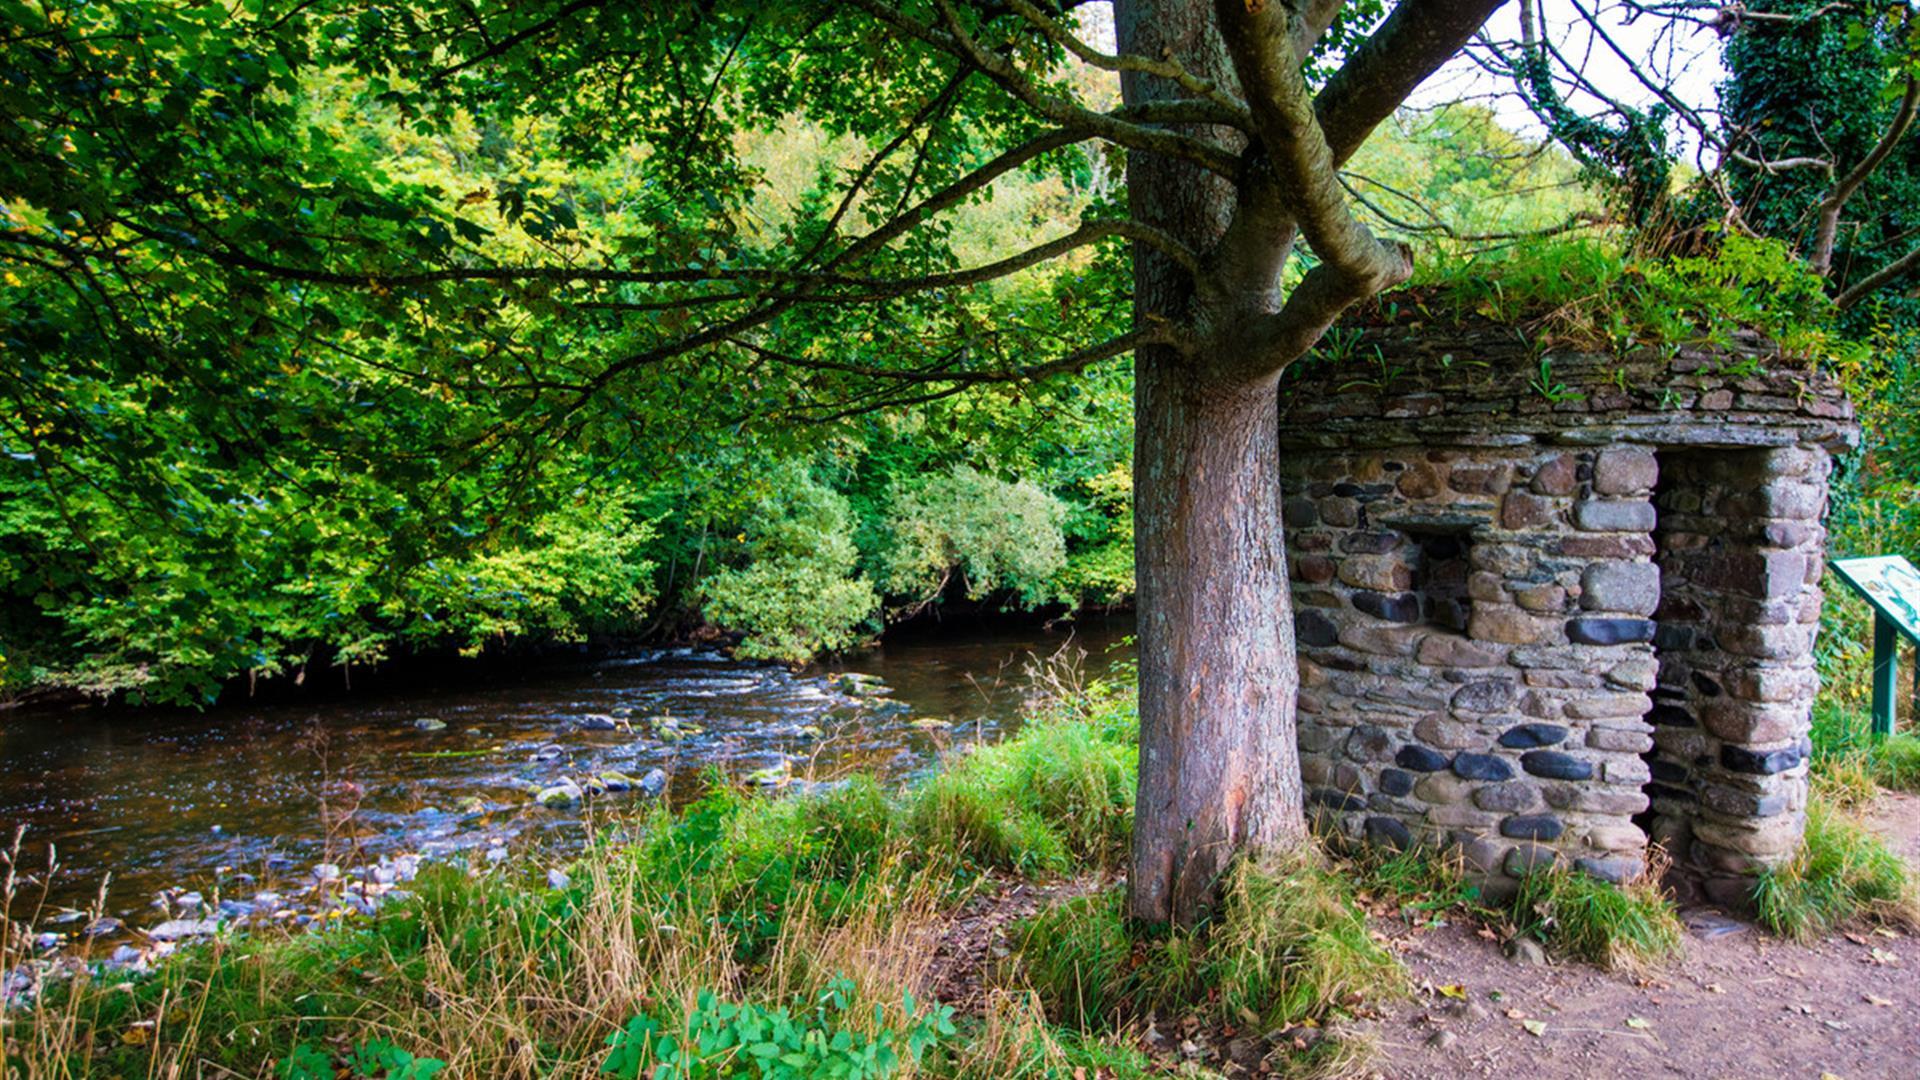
(1739,1005)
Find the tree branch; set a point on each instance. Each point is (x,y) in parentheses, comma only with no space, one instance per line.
(1828,227)
(1410,45)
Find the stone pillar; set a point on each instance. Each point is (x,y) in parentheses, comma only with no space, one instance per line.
(1740,545)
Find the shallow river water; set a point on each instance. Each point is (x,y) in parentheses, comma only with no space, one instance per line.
(239,800)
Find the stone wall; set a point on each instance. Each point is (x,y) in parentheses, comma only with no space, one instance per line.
(1740,544)
(1537,630)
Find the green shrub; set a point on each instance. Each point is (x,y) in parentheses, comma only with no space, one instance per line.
(994,533)
(1842,873)
(793,586)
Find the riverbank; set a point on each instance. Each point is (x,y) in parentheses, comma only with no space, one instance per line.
(964,925)
(237,813)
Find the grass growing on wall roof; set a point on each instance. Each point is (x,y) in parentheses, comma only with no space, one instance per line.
(1591,291)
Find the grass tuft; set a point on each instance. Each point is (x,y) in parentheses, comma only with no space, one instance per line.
(1843,874)
(1630,927)
(1289,944)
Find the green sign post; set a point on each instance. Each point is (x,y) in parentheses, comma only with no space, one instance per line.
(1892,586)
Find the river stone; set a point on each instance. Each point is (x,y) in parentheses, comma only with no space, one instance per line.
(1527,858)
(1397,608)
(1617,869)
(1759,763)
(1446,650)
(653,783)
(1336,800)
(1395,782)
(1314,629)
(1533,827)
(598,722)
(1527,736)
(1631,587)
(1490,695)
(1510,797)
(1557,477)
(1623,471)
(1610,515)
(1555,765)
(1369,743)
(1420,759)
(429,724)
(563,794)
(1481,767)
(1609,631)
(181,929)
(1390,832)
(558,879)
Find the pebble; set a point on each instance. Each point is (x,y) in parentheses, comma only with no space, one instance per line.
(558,879)
(326,872)
(1526,952)
(654,782)
(1441,1040)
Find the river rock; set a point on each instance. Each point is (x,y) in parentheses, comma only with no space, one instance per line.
(103,926)
(558,879)
(772,775)
(181,929)
(654,783)
(598,722)
(326,872)
(615,780)
(550,752)
(564,793)
(46,942)
(429,724)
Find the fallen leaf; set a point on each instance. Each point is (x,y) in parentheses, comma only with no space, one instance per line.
(1516,1014)
(1455,991)
(1885,931)
(1882,956)
(1638,1023)
(1875,999)
(1716,988)
(1536,1028)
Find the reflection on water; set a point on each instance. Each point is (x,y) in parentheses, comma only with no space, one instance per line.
(165,799)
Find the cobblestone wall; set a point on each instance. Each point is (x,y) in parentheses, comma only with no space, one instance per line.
(1539,630)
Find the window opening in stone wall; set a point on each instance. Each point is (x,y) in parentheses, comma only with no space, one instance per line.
(1441,566)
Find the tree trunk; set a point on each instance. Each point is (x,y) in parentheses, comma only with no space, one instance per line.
(1219,765)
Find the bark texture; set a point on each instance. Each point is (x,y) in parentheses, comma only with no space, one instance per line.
(1219,761)
(1219,767)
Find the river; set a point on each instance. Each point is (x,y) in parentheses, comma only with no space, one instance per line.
(243,801)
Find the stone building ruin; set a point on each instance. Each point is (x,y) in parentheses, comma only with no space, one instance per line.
(1550,607)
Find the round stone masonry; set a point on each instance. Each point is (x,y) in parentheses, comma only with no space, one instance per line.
(1542,633)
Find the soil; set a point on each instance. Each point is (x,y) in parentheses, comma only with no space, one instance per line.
(1740,1004)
